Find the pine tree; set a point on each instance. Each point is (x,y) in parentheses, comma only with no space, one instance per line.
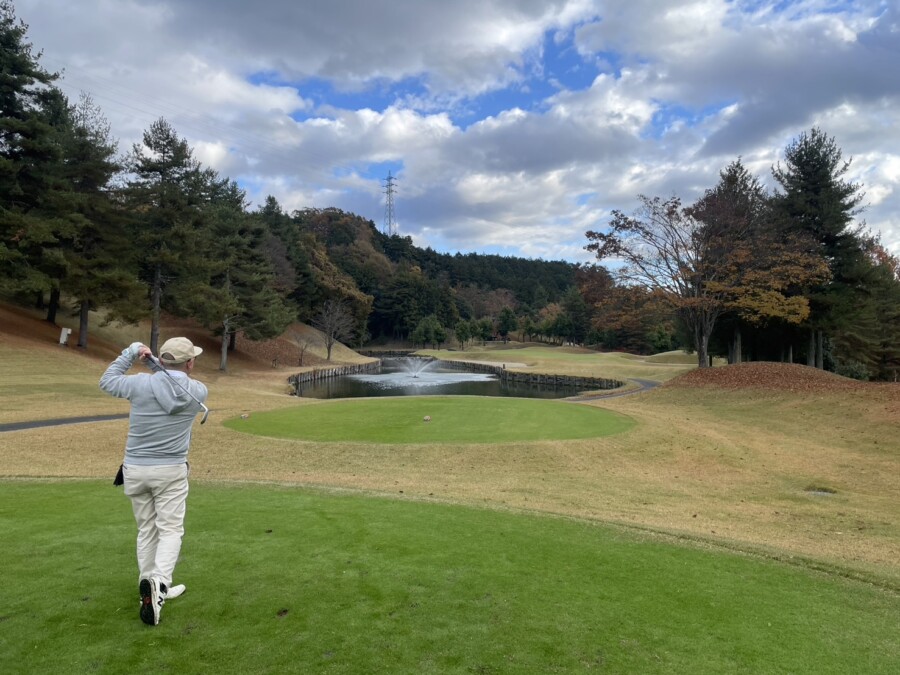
(28,150)
(578,316)
(886,293)
(166,195)
(816,200)
(506,323)
(100,263)
(869,346)
(240,294)
(761,267)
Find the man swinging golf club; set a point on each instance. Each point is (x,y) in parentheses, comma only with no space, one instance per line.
(155,470)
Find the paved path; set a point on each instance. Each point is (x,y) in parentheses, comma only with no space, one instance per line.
(643,385)
(18,426)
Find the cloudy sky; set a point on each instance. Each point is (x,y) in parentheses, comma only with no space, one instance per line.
(512,126)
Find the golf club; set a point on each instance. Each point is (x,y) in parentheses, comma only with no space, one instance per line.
(156,362)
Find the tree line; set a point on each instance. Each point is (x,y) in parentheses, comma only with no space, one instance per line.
(781,276)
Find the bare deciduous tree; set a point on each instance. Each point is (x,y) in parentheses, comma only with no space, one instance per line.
(303,342)
(336,322)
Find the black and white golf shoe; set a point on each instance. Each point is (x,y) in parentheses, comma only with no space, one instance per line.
(151,601)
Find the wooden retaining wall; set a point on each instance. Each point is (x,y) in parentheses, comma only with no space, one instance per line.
(320,374)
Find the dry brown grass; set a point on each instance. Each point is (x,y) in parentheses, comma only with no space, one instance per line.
(726,465)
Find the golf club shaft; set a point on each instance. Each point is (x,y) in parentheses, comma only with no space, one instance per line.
(159,364)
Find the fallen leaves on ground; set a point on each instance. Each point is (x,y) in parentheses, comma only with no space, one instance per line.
(790,377)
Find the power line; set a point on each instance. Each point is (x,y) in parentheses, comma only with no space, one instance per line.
(390,222)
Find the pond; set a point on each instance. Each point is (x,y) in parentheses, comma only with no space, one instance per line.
(412,376)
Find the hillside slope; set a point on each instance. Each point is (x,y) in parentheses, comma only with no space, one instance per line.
(25,328)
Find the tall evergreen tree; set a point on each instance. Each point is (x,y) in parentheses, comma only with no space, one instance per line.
(885,289)
(49,260)
(101,264)
(816,199)
(869,346)
(240,294)
(762,267)
(28,148)
(506,323)
(288,251)
(166,192)
(578,316)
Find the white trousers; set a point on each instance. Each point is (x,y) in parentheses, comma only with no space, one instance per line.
(158,497)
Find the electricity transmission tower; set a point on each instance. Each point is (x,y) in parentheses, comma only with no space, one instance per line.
(390,222)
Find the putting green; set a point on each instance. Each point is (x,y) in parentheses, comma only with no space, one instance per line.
(453,419)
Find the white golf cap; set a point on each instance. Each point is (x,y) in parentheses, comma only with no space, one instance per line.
(178,350)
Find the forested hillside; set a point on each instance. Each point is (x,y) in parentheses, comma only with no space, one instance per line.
(407,283)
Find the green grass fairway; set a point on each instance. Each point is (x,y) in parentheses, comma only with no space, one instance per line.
(286,580)
(575,361)
(454,419)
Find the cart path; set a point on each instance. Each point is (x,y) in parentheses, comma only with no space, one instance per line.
(18,426)
(643,385)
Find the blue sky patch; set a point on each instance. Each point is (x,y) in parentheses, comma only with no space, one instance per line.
(668,114)
(376,95)
(561,68)
(379,171)
(571,70)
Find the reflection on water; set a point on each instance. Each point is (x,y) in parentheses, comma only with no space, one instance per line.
(410,376)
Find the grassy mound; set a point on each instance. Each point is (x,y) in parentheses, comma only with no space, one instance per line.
(456,419)
(772,376)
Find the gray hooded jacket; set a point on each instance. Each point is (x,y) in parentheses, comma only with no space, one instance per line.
(159,430)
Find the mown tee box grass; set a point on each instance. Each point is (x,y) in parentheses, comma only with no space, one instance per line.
(436,419)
